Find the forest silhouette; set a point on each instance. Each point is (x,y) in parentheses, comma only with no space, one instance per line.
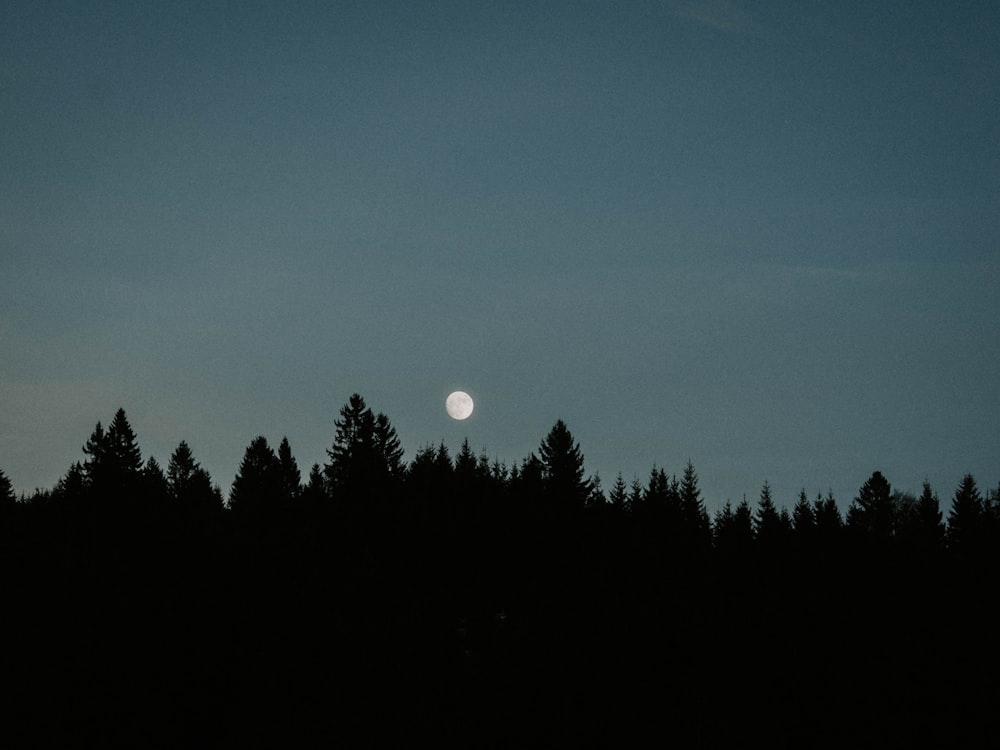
(457,599)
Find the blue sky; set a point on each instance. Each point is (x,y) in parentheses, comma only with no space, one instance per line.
(761,237)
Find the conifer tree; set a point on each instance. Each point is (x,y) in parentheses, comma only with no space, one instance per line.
(73,486)
(828,519)
(7,496)
(966,517)
(352,456)
(314,492)
(693,512)
(258,485)
(154,483)
(803,518)
(871,514)
(189,485)
(291,478)
(388,449)
(927,527)
(618,496)
(113,467)
(767,520)
(595,498)
(636,496)
(562,469)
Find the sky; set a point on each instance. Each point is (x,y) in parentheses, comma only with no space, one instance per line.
(763,237)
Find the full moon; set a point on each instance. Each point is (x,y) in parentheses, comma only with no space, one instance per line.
(459,405)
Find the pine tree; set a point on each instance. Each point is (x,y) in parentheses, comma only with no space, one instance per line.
(388,449)
(966,517)
(618,496)
(314,493)
(871,514)
(352,456)
(7,496)
(828,520)
(189,485)
(743,523)
(124,447)
(926,529)
(636,496)
(73,486)
(154,483)
(291,478)
(595,498)
(113,467)
(767,520)
(96,467)
(562,469)
(258,485)
(803,518)
(694,515)
(366,459)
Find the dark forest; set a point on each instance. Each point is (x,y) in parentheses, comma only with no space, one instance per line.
(458,600)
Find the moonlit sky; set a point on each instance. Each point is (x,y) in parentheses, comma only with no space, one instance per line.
(762,236)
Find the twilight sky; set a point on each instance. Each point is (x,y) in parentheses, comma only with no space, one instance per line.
(763,236)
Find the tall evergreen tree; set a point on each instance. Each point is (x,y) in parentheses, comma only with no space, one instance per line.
(693,512)
(872,515)
(189,485)
(113,467)
(314,492)
(352,456)
(828,519)
(291,478)
(562,469)
(7,497)
(966,517)
(124,447)
(618,496)
(258,486)
(636,496)
(154,483)
(388,450)
(925,528)
(73,486)
(767,521)
(803,518)
(595,498)
(366,458)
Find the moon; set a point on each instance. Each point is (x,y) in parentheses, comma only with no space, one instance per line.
(459,405)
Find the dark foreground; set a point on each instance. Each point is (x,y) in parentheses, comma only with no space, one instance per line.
(351,633)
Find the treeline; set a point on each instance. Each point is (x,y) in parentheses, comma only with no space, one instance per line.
(460,600)
(365,468)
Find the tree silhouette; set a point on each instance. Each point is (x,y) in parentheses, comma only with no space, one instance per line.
(291,478)
(768,526)
(259,483)
(352,456)
(966,517)
(693,512)
(921,529)
(828,520)
(562,469)
(388,449)
(7,497)
(189,485)
(804,518)
(618,495)
(872,514)
(113,468)
(366,457)
(154,484)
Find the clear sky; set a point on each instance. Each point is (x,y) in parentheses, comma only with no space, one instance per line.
(761,236)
